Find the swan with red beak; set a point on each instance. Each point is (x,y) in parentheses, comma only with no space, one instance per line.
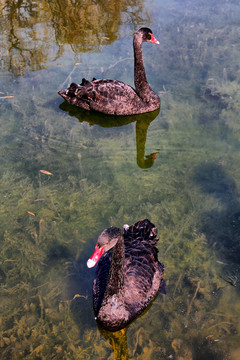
(115,97)
(128,274)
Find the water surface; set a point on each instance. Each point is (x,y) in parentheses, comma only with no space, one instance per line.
(178,167)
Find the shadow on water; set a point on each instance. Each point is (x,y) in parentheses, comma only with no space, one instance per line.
(79,288)
(142,123)
(222,227)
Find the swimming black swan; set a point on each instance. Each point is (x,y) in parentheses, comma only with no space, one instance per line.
(128,277)
(115,97)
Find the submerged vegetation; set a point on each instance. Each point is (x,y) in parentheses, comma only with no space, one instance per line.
(94,177)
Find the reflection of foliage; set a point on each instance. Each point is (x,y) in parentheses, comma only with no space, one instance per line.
(26,39)
(88,24)
(24,42)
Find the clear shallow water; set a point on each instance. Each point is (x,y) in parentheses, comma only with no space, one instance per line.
(105,175)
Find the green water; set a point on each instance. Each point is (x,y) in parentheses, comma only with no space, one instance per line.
(104,173)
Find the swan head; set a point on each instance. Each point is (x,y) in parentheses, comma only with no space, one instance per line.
(106,240)
(147,35)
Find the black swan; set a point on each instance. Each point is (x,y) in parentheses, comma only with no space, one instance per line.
(128,277)
(115,97)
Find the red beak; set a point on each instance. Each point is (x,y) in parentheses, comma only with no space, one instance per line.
(154,40)
(95,257)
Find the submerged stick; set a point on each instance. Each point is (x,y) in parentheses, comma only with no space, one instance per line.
(194,296)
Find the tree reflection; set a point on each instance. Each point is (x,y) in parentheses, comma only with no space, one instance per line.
(28,28)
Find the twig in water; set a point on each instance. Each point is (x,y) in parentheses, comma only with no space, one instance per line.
(194,296)
(69,76)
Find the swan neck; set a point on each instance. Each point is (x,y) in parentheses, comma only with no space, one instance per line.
(141,84)
(116,275)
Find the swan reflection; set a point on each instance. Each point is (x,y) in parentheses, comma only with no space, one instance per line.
(118,342)
(142,123)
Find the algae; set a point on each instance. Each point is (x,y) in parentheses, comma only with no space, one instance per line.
(49,224)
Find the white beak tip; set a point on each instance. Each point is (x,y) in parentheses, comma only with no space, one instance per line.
(90,263)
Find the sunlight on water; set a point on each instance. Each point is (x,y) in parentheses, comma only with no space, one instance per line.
(67,174)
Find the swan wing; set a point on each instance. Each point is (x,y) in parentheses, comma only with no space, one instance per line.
(106,96)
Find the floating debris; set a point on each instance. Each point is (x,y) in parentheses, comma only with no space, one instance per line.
(31,213)
(46,172)
(221,262)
